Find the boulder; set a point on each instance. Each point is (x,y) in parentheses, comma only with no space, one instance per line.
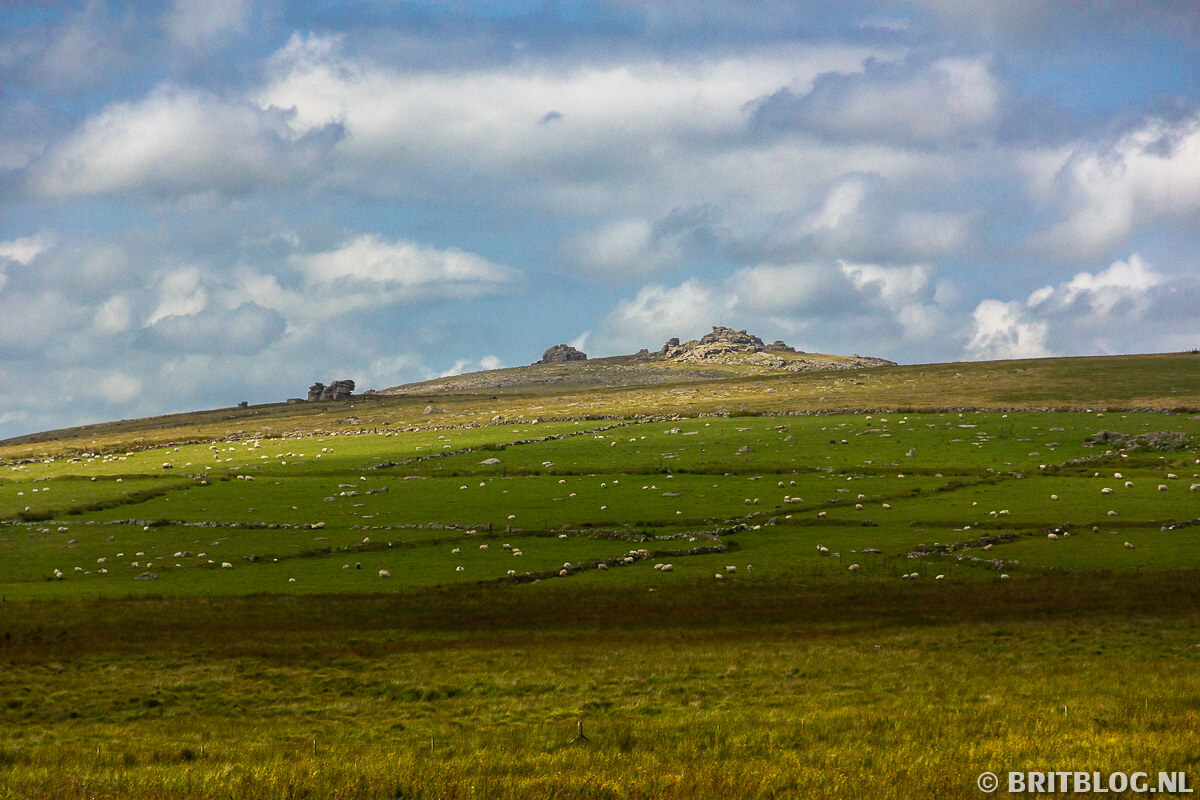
(338,390)
(561,354)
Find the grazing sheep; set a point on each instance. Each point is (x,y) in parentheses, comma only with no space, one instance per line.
(358,565)
(822,549)
(854,567)
(58,574)
(1106,490)
(512,573)
(1128,484)
(658,566)
(820,513)
(483,547)
(456,551)
(668,567)
(383,573)
(226,565)
(730,568)
(1052,536)
(517,553)
(460,568)
(1112,513)
(291,580)
(1162,487)
(1053,497)
(1129,545)
(602,566)
(1003,576)
(887,505)
(939,577)
(562,573)
(719,576)
(1171,476)
(988,546)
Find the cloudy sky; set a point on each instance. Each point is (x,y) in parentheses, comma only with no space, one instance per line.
(209,201)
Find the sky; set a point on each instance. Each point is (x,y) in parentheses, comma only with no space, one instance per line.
(210,201)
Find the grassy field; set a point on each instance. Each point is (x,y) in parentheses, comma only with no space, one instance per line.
(278,602)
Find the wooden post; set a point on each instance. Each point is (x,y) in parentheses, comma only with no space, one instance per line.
(580,737)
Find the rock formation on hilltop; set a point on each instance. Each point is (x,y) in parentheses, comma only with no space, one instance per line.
(338,390)
(727,346)
(561,354)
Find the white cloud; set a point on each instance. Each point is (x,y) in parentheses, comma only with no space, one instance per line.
(244,330)
(114,316)
(902,103)
(117,387)
(658,312)
(403,265)
(580,341)
(1003,330)
(1124,307)
(180,294)
(624,249)
(200,24)
(1122,281)
(467,365)
(180,141)
(23,250)
(1109,191)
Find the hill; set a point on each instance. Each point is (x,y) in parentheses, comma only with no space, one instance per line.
(752,583)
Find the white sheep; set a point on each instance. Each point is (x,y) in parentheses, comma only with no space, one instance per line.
(512,573)
(224,565)
(456,551)
(1003,576)
(939,577)
(1128,484)
(1162,487)
(483,547)
(854,567)
(822,549)
(1052,536)
(1129,545)
(602,566)
(383,573)
(1106,490)
(562,573)
(668,567)
(460,568)
(719,576)
(1053,497)
(730,568)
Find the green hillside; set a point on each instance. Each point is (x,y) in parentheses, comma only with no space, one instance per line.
(889,579)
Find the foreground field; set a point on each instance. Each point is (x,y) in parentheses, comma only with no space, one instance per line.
(769,689)
(882,603)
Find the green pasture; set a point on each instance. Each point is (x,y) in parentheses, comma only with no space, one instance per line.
(288,514)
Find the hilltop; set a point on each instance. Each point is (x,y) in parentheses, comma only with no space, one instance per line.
(723,353)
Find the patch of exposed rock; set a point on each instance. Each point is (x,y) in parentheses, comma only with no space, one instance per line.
(338,390)
(561,354)
(727,346)
(1151,440)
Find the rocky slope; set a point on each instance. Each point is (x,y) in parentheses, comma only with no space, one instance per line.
(723,353)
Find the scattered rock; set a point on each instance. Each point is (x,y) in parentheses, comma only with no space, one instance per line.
(338,390)
(147,576)
(561,354)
